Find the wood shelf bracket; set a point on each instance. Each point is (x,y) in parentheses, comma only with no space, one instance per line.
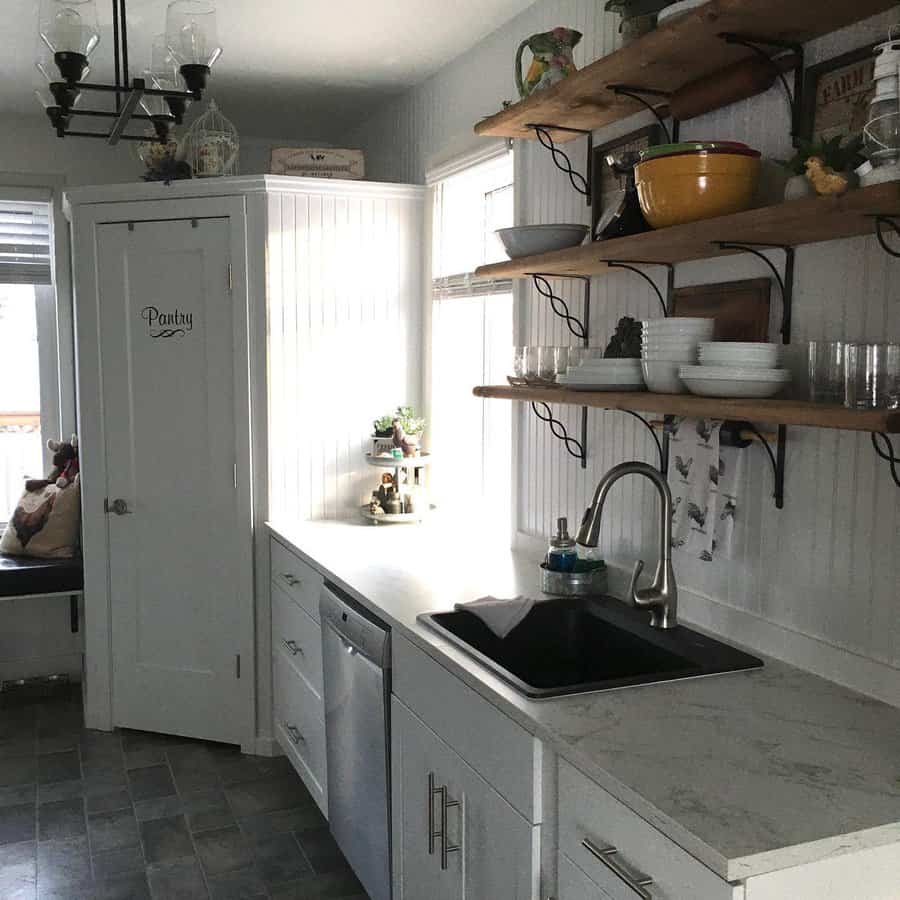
(580,183)
(763,47)
(578,327)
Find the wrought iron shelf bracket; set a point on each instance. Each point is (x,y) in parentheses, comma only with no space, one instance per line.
(631,266)
(882,222)
(763,48)
(887,454)
(785,283)
(581,183)
(578,327)
(574,447)
(640,95)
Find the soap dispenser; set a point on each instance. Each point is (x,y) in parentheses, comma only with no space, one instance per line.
(562,555)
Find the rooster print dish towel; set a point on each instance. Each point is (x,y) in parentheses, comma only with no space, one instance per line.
(703,478)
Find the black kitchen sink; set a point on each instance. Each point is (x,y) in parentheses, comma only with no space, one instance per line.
(576,645)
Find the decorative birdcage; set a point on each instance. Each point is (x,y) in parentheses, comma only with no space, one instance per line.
(211,145)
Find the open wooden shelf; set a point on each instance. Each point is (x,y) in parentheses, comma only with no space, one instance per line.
(670,57)
(805,221)
(771,412)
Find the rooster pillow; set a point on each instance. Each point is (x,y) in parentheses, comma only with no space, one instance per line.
(45,521)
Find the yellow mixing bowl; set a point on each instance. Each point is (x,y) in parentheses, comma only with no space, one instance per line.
(674,190)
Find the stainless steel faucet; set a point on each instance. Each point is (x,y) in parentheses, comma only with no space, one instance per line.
(661,598)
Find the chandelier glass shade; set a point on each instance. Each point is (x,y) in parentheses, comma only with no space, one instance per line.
(177,73)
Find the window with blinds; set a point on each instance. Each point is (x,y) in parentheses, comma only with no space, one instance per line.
(471,340)
(29,394)
(24,243)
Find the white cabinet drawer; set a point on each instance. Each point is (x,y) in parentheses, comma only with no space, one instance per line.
(575,885)
(500,750)
(300,728)
(298,637)
(592,820)
(300,580)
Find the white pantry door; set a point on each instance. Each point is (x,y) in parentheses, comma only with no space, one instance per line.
(167,349)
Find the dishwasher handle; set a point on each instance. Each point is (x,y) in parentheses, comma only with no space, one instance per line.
(357,628)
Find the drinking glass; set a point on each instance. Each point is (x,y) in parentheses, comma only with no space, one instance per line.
(826,371)
(872,376)
(561,357)
(534,362)
(520,361)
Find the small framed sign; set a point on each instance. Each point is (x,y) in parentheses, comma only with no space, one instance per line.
(837,94)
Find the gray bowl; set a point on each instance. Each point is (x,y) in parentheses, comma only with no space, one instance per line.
(529,240)
(589,583)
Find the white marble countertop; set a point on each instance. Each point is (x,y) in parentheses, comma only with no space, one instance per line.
(749,772)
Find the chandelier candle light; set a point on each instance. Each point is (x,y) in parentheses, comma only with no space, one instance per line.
(178,71)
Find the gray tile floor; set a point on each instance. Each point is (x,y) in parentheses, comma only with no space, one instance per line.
(86,815)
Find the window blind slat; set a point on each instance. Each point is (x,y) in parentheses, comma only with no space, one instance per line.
(24,242)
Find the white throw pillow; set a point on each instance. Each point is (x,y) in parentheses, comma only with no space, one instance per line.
(45,523)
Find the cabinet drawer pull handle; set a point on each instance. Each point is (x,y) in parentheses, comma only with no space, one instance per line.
(292,580)
(294,732)
(293,647)
(607,856)
(446,848)
(431,833)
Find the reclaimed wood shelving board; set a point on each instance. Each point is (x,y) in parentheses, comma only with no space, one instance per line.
(670,57)
(770,412)
(796,222)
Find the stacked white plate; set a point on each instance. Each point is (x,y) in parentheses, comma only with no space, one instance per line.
(736,353)
(734,369)
(666,345)
(598,374)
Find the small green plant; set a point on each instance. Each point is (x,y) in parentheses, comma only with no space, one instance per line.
(411,423)
(384,426)
(833,153)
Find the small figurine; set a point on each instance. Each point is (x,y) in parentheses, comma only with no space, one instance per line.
(825,181)
(375,505)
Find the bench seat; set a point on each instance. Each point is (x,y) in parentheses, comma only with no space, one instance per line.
(21,576)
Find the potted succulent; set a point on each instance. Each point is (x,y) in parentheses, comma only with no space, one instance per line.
(412,425)
(383,426)
(822,167)
(638,16)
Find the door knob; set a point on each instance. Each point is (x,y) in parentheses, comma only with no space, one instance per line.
(118,506)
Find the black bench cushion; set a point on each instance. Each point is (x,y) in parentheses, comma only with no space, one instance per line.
(21,575)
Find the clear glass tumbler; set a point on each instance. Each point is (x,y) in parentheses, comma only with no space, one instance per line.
(560,360)
(826,371)
(872,376)
(520,362)
(535,362)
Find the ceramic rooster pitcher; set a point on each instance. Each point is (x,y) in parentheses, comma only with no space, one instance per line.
(552,52)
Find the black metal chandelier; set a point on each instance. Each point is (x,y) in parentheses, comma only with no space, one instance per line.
(179,67)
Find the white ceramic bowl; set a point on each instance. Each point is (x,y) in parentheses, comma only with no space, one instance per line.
(527,240)
(685,355)
(597,377)
(609,365)
(661,376)
(726,381)
(672,327)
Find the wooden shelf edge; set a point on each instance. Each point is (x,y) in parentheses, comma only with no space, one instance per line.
(793,223)
(771,412)
(669,57)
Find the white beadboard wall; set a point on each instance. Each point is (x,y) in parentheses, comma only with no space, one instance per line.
(344,294)
(817,583)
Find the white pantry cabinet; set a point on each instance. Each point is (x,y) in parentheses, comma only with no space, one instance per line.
(223,327)
(454,836)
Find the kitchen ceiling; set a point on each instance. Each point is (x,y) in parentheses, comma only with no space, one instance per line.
(290,69)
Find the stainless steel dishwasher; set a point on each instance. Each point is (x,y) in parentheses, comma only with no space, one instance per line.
(356,651)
